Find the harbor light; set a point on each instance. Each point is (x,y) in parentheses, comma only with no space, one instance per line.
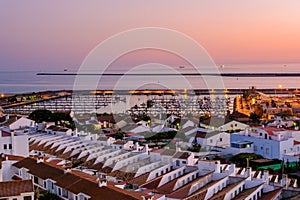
(2,95)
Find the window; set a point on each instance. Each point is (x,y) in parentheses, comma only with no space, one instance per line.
(267,150)
(10,146)
(211,141)
(35,180)
(28,198)
(284,151)
(5,146)
(255,148)
(221,139)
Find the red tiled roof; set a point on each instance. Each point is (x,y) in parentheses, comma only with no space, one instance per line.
(221,194)
(15,188)
(271,195)
(106,118)
(42,169)
(76,181)
(5,134)
(183,192)
(152,184)
(11,157)
(120,142)
(182,155)
(140,179)
(246,193)
(296,142)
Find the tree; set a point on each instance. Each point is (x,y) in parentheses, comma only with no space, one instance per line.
(59,118)
(258,110)
(62,119)
(149,103)
(241,159)
(273,103)
(49,196)
(254,117)
(41,116)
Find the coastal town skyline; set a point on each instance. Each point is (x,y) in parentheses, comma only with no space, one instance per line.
(149,100)
(56,35)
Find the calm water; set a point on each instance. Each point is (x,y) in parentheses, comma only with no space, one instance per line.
(28,81)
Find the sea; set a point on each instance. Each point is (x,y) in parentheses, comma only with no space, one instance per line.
(26,81)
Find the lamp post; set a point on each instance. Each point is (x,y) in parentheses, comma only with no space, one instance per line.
(280,87)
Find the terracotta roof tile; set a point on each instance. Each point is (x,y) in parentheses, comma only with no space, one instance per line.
(183,192)
(182,155)
(42,170)
(223,192)
(140,179)
(15,188)
(246,193)
(271,195)
(153,183)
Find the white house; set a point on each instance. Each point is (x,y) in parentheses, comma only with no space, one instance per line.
(22,123)
(233,125)
(13,143)
(210,139)
(59,130)
(270,142)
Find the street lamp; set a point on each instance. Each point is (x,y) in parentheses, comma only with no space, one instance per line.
(280,86)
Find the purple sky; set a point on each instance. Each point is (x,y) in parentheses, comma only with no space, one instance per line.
(48,34)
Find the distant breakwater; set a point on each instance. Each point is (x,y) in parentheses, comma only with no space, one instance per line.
(174,74)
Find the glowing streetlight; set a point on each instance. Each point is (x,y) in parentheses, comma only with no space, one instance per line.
(2,95)
(280,86)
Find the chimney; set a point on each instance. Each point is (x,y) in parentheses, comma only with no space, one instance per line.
(217,166)
(284,181)
(39,160)
(1,178)
(246,132)
(67,170)
(102,182)
(248,171)
(232,169)
(137,146)
(147,149)
(266,176)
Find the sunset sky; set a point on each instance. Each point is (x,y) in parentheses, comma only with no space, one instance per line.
(54,34)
